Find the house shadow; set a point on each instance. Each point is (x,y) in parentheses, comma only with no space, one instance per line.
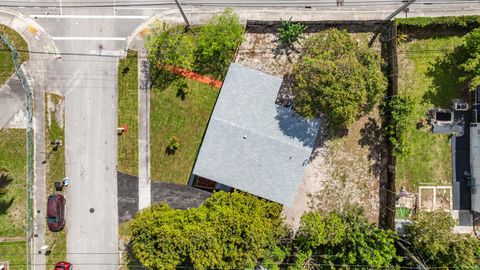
(296,127)
(445,74)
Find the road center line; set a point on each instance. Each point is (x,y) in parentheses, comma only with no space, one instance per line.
(53,16)
(89,38)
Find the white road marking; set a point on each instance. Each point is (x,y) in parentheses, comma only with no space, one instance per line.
(89,38)
(43,16)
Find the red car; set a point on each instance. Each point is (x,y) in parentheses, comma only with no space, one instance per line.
(63,266)
(56,212)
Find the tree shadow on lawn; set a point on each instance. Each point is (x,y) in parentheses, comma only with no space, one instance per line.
(161,78)
(445,74)
(5,180)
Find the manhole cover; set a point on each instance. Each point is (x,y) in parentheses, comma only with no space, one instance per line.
(92,210)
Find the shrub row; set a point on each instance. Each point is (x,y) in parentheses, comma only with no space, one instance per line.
(459,22)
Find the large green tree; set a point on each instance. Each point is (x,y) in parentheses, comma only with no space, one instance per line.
(337,76)
(169,45)
(343,238)
(216,43)
(431,237)
(469,54)
(229,231)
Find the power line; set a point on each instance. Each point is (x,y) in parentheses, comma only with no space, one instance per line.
(251,3)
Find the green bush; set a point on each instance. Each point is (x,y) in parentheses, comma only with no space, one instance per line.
(342,238)
(168,45)
(463,22)
(432,238)
(173,144)
(397,110)
(338,77)
(216,44)
(469,55)
(229,231)
(290,32)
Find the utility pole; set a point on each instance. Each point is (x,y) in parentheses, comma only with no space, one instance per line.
(187,23)
(389,17)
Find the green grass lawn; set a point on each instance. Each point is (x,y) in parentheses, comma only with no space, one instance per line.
(128,114)
(14,253)
(13,194)
(55,171)
(185,119)
(7,68)
(430,83)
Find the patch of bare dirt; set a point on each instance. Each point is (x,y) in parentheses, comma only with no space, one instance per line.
(55,107)
(342,171)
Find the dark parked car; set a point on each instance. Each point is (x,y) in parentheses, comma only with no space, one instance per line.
(56,212)
(63,266)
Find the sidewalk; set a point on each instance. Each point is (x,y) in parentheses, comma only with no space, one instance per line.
(144,185)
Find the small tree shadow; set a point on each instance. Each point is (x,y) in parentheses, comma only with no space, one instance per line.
(161,78)
(5,180)
(445,74)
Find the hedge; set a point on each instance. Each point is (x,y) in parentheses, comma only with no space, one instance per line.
(460,22)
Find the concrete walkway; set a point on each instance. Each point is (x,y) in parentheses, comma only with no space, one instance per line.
(12,111)
(37,41)
(144,198)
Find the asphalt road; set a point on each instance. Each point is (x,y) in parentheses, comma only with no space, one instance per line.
(89,84)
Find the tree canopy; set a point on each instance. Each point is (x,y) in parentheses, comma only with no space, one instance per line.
(289,32)
(471,58)
(337,76)
(431,236)
(229,231)
(168,45)
(344,238)
(216,43)
(207,49)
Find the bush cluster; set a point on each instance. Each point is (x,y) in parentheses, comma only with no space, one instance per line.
(337,76)
(462,22)
(208,49)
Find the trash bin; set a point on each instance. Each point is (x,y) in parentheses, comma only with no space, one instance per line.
(58,186)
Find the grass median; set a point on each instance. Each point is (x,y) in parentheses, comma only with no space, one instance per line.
(128,114)
(55,169)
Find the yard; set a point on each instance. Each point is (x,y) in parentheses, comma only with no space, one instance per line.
(128,114)
(430,82)
(15,253)
(344,169)
(185,119)
(54,123)
(13,183)
(12,171)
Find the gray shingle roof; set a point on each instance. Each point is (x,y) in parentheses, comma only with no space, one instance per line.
(251,143)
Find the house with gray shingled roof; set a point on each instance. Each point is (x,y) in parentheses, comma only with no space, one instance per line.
(251,143)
